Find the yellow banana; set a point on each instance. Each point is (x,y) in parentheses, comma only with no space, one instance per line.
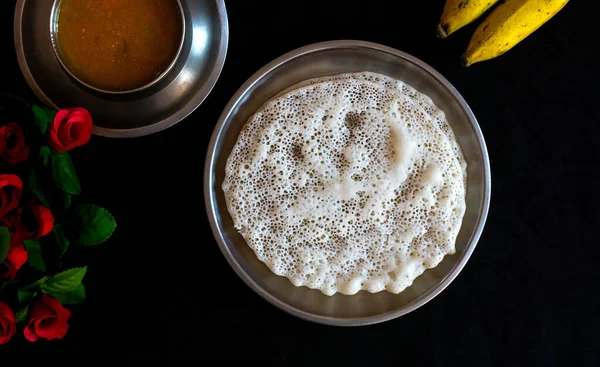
(507,25)
(459,13)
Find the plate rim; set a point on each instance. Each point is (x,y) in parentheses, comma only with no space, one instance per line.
(210,199)
(195,102)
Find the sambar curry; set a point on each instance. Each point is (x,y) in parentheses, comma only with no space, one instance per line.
(118,45)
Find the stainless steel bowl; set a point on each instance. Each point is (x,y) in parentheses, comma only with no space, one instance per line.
(54,17)
(331,58)
(144,112)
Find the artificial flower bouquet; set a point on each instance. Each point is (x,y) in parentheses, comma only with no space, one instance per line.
(41,221)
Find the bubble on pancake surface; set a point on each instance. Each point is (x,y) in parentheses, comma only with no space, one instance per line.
(345,185)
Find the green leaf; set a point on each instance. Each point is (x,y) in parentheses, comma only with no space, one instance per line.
(65,200)
(61,238)
(4,242)
(42,116)
(73,297)
(36,190)
(91,224)
(61,169)
(59,200)
(25,296)
(35,285)
(34,255)
(45,155)
(56,198)
(65,281)
(21,314)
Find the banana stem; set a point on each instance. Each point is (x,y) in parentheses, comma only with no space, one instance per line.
(465,62)
(441,33)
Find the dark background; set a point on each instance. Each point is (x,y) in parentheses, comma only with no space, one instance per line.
(528,296)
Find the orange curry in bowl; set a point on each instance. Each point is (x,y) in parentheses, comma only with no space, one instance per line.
(118,45)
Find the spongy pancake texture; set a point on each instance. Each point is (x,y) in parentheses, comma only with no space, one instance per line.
(347,183)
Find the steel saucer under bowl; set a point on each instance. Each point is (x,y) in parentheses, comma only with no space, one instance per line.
(161,105)
(330,58)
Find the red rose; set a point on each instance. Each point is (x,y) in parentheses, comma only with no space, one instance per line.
(47,319)
(15,228)
(16,257)
(8,326)
(37,220)
(12,144)
(72,127)
(11,189)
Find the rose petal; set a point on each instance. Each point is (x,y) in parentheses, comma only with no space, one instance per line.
(16,155)
(3,139)
(7,312)
(39,309)
(77,117)
(53,140)
(84,136)
(7,323)
(18,255)
(77,131)
(51,302)
(62,331)
(66,313)
(58,118)
(30,334)
(81,120)
(3,198)
(83,113)
(48,328)
(45,221)
(20,156)
(15,197)
(15,228)
(18,133)
(37,220)
(11,189)
(11,180)
(64,133)
(7,330)
(15,258)
(52,327)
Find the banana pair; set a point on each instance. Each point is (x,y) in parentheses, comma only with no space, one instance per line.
(507,25)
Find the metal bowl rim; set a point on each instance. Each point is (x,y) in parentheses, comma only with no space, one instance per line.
(211,206)
(158,126)
(53,23)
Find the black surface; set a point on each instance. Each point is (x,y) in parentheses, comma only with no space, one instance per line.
(528,296)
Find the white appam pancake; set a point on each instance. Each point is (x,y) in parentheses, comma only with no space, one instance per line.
(344,185)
